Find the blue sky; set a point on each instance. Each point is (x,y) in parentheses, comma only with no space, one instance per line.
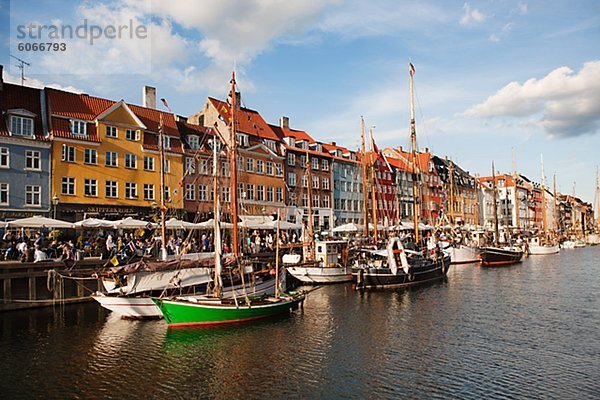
(491,76)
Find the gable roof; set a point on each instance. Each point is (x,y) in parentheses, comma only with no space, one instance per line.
(249,122)
(15,97)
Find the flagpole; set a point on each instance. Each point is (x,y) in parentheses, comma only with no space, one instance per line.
(163,230)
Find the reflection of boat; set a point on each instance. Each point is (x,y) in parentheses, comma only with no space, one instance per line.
(330,265)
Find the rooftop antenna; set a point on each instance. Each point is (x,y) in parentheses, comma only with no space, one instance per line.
(21,66)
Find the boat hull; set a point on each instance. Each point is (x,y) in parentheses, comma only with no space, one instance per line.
(494,256)
(535,250)
(144,307)
(463,255)
(312,275)
(366,277)
(179,313)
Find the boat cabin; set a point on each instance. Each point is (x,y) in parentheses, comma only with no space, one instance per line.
(331,252)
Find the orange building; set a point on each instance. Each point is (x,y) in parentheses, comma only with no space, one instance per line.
(105,157)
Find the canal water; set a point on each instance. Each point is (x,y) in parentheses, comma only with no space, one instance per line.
(528,331)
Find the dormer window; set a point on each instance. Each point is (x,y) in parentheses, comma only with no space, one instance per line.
(132,134)
(21,126)
(290,141)
(194,142)
(242,140)
(166,142)
(78,127)
(270,144)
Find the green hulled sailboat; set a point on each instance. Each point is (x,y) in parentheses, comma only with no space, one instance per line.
(214,309)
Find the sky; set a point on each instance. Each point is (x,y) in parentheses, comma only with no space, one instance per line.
(495,80)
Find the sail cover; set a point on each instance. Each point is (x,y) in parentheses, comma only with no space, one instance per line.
(145,281)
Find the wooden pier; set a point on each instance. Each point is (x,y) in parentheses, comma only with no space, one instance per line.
(30,285)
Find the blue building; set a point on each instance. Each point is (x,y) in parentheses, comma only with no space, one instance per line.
(24,153)
(347,185)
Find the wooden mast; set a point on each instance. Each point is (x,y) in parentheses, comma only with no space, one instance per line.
(597,199)
(309,225)
(413,143)
(555,210)
(543,199)
(517,222)
(163,208)
(233,170)
(496,233)
(217,217)
(451,173)
(373,187)
(364,177)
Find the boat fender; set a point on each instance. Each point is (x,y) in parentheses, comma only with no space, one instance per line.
(411,277)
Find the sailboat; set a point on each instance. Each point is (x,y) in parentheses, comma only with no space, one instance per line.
(215,309)
(495,255)
(395,265)
(540,245)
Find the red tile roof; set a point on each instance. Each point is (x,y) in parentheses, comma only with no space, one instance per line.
(248,121)
(21,97)
(66,105)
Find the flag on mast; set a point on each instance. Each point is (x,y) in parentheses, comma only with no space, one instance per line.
(411,69)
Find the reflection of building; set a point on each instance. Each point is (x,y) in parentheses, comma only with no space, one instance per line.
(260,156)
(307,163)
(24,153)
(105,156)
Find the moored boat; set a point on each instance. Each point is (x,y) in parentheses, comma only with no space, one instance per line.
(497,256)
(330,265)
(535,247)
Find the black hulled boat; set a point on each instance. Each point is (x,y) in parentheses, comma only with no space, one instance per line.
(498,256)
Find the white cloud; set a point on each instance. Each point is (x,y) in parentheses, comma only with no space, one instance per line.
(36,83)
(522,8)
(566,102)
(471,16)
(505,31)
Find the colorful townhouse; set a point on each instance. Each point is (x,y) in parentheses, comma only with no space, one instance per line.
(307,163)
(106,158)
(24,153)
(198,178)
(347,173)
(260,157)
(459,193)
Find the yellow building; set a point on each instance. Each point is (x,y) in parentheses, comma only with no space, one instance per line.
(106,159)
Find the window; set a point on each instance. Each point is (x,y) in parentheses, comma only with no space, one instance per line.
(167,166)
(270,194)
(190,191)
(193,142)
(33,196)
(240,163)
(278,170)
(225,194)
(190,165)
(260,193)
(250,191)
(250,164)
(303,160)
(167,195)
(291,159)
(224,168)
(202,193)
(90,187)
(131,134)
(78,127)
(166,142)
(68,153)
(4,157)
(90,156)
(325,183)
(325,165)
(260,166)
(21,126)
(148,163)
(304,181)
(4,194)
(242,140)
(304,200)
(111,159)
(240,192)
(111,131)
(32,160)
(130,161)
(343,204)
(270,144)
(130,190)
(315,163)
(68,185)
(315,182)
(291,179)
(326,202)
(204,166)
(269,168)
(278,195)
(111,189)
(148,191)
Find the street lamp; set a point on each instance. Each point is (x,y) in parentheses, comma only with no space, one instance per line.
(55,204)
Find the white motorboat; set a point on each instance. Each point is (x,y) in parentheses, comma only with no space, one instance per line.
(329,266)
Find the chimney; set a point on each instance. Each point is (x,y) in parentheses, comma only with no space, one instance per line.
(1,77)
(332,143)
(149,97)
(238,100)
(284,122)
(181,118)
